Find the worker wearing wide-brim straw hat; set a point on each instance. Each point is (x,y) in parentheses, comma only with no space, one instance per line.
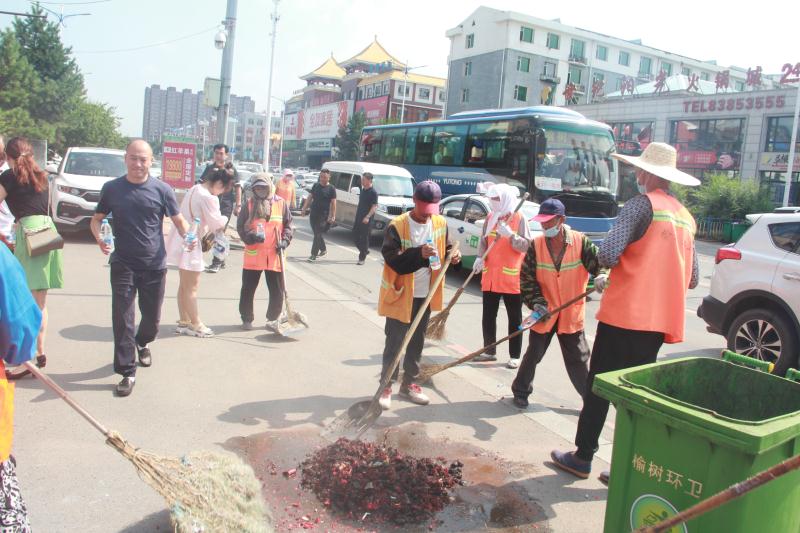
(650,251)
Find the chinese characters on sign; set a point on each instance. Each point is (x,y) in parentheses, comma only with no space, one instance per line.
(791,74)
(754,77)
(177,162)
(723,80)
(661,82)
(657,472)
(694,83)
(627,84)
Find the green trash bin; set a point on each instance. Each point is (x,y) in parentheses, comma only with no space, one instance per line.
(689,428)
(727,231)
(738,229)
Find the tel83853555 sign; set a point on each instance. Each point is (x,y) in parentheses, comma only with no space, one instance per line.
(739,103)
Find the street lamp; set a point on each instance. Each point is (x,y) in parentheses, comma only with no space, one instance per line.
(405,89)
(224,40)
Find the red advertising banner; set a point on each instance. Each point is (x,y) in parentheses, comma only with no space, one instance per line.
(177,164)
(374,109)
(696,159)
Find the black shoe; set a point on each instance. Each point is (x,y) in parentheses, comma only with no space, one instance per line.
(145,358)
(125,387)
(520,402)
(604,476)
(312,259)
(213,268)
(222,265)
(323,253)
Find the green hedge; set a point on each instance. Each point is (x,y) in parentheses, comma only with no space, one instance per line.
(724,197)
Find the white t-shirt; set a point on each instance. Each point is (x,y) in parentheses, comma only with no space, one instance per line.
(420,233)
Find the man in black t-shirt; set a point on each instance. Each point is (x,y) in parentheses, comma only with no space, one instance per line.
(230,201)
(138,204)
(367,204)
(321,202)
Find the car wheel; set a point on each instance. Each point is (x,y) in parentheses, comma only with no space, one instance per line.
(765,335)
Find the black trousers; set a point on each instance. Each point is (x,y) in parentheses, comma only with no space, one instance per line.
(574,349)
(319,225)
(361,238)
(250,280)
(125,283)
(395,331)
(491,304)
(614,349)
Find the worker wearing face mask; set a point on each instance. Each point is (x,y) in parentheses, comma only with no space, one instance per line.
(555,270)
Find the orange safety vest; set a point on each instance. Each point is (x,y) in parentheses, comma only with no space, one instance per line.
(286,190)
(264,255)
(560,286)
(501,267)
(6,414)
(647,288)
(397,290)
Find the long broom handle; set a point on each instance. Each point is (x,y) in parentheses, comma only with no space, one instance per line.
(479,351)
(44,378)
(729,494)
(283,273)
(463,286)
(410,333)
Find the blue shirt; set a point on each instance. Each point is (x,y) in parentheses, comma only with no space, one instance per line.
(138,212)
(20,317)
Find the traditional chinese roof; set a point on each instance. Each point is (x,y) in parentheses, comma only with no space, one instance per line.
(373,54)
(676,84)
(397,75)
(330,69)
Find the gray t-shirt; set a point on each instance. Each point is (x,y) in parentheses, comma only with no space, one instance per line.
(138,212)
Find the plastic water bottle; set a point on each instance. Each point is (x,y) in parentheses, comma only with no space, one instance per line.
(260,231)
(107,234)
(12,237)
(191,235)
(221,247)
(434,260)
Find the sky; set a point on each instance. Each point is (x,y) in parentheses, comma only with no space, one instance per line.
(746,35)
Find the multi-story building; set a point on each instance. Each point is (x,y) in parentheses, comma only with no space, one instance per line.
(501,59)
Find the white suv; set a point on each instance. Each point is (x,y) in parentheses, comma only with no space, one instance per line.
(75,190)
(755,291)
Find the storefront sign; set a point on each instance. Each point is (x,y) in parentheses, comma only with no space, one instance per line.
(734,104)
(323,122)
(290,126)
(778,161)
(374,109)
(318,145)
(177,164)
(696,159)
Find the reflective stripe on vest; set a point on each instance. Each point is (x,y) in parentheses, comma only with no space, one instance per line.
(560,286)
(397,290)
(647,288)
(501,266)
(263,255)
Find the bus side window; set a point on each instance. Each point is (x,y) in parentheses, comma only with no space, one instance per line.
(411,145)
(424,155)
(372,145)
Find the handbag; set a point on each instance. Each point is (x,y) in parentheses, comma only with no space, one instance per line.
(208,239)
(43,239)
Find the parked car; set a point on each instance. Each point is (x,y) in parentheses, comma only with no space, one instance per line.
(155,169)
(75,188)
(303,170)
(755,291)
(394,185)
(249,166)
(466,214)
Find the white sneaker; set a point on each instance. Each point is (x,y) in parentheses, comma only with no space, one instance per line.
(273,325)
(415,395)
(513,363)
(385,401)
(181,327)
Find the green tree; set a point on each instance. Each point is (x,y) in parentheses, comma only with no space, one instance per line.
(92,124)
(18,80)
(721,196)
(348,141)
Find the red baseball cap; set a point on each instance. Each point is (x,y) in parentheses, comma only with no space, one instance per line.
(427,195)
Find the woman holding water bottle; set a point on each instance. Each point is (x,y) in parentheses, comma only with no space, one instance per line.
(201,206)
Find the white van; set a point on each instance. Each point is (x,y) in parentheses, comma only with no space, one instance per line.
(394,185)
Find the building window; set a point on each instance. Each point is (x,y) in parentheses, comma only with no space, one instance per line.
(549,69)
(523,64)
(520,93)
(470,40)
(403,89)
(576,49)
(708,145)
(602,53)
(704,76)
(739,85)
(645,64)
(599,76)
(424,94)
(526,34)
(686,71)
(624,58)
(441,96)
(464,96)
(779,135)
(575,74)
(667,67)
(468,68)
(553,41)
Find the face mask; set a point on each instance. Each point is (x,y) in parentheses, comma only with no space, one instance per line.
(495,204)
(642,188)
(261,193)
(552,232)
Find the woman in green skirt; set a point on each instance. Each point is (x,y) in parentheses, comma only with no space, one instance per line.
(25,189)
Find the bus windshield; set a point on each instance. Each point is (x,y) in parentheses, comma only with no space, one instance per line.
(393,185)
(577,162)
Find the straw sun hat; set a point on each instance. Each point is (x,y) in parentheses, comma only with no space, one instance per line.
(661,160)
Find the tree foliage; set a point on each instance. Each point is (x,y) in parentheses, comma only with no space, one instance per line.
(42,91)
(721,196)
(348,141)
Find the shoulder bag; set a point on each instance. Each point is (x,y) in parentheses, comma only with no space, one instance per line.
(45,238)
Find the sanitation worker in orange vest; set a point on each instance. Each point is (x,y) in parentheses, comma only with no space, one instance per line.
(650,251)
(262,215)
(555,270)
(285,188)
(20,319)
(409,243)
(500,270)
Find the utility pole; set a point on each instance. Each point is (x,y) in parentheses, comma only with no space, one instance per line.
(268,126)
(227,72)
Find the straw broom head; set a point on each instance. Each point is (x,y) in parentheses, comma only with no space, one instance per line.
(436,326)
